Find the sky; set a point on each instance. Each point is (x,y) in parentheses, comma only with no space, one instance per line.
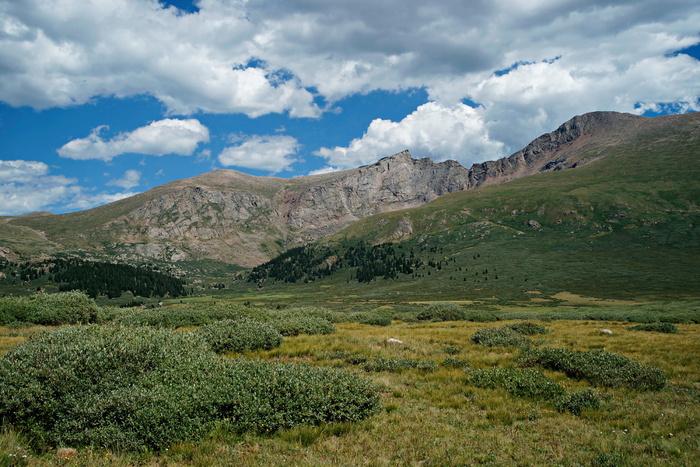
(104,99)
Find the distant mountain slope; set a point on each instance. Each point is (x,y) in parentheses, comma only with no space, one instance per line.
(627,225)
(237,218)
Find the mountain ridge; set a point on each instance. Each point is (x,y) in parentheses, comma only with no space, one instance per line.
(237,218)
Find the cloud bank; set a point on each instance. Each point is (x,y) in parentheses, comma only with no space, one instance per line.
(270,153)
(27,186)
(169,136)
(529,65)
(456,132)
(526,66)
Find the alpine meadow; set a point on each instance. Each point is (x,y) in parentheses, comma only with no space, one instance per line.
(542,309)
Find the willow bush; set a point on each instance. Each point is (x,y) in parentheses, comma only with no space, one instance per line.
(501,336)
(49,309)
(598,367)
(135,388)
(239,335)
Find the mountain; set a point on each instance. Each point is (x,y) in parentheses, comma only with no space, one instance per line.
(232,217)
(623,221)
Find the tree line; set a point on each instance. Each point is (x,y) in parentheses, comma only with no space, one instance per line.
(97,278)
(367,262)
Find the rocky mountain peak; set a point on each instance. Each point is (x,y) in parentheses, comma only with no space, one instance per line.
(563,148)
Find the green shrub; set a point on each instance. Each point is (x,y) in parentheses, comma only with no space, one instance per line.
(302,312)
(480,316)
(528,328)
(136,388)
(397,365)
(597,366)
(239,335)
(442,312)
(521,383)
(177,316)
(450,350)
(499,337)
(578,401)
(295,325)
(376,320)
(356,359)
(655,327)
(263,397)
(49,309)
(120,388)
(453,362)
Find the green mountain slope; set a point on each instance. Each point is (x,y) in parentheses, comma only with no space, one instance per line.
(626,225)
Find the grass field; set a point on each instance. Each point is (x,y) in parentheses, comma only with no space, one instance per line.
(438,418)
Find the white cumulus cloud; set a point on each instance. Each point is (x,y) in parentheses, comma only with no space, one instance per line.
(441,132)
(86,201)
(531,65)
(65,52)
(168,136)
(26,186)
(272,153)
(258,57)
(325,170)
(130,179)
(20,171)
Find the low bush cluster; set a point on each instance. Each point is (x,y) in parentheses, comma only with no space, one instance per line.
(535,385)
(675,312)
(598,367)
(175,316)
(49,309)
(528,328)
(481,316)
(134,388)
(299,311)
(452,312)
(442,312)
(518,382)
(501,336)
(667,328)
(295,325)
(454,362)
(375,320)
(239,335)
(396,365)
(578,401)
(289,322)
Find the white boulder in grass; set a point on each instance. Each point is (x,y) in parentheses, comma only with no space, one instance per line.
(606,331)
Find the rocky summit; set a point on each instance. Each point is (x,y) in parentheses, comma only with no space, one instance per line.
(241,219)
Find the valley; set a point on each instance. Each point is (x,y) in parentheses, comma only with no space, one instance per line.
(538,310)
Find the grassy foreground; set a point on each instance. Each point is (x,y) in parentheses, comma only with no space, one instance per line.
(438,418)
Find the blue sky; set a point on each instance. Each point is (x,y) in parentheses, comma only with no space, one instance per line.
(103,99)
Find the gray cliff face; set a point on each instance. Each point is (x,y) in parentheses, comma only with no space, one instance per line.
(393,183)
(196,213)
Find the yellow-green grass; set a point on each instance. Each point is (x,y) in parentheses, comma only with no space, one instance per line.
(437,418)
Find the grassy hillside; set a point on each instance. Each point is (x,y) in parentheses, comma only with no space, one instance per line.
(624,226)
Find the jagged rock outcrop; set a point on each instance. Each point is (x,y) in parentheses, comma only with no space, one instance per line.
(560,149)
(396,182)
